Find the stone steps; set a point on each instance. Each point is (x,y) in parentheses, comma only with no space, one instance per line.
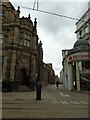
(23,88)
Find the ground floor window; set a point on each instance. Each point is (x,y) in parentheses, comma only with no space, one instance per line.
(86,64)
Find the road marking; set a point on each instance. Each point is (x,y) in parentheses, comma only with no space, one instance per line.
(56,102)
(64,95)
(83,102)
(74,102)
(64,102)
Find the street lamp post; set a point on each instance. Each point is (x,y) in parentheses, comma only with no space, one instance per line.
(38,84)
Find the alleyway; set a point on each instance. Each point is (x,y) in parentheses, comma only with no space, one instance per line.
(55,103)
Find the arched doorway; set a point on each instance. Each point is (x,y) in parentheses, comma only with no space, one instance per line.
(22,77)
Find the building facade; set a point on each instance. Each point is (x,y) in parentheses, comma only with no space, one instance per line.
(48,74)
(21,52)
(61,76)
(65,68)
(76,62)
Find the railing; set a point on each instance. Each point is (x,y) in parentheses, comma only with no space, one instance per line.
(85,79)
(85,71)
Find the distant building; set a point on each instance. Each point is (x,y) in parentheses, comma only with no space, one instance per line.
(22,54)
(56,78)
(61,76)
(76,61)
(48,74)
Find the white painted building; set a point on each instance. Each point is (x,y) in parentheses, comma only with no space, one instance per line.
(65,67)
(61,76)
(76,62)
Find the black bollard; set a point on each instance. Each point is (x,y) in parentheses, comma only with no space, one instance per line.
(38,91)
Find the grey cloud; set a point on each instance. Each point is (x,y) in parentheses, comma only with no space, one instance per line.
(52,24)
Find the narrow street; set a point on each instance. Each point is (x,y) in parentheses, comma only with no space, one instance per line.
(62,94)
(55,103)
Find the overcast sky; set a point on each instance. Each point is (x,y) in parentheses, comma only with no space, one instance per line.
(56,33)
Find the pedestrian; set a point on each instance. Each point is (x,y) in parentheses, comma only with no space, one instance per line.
(57,84)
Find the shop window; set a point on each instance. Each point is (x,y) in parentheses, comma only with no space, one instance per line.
(86,64)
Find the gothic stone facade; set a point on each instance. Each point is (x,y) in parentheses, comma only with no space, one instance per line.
(19,48)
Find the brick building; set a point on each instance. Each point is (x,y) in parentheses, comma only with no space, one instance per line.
(48,74)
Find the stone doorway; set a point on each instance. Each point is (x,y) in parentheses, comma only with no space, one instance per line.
(22,77)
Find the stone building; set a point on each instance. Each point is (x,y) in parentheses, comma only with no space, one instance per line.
(21,52)
(76,61)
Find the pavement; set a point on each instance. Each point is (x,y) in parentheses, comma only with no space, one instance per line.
(25,105)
